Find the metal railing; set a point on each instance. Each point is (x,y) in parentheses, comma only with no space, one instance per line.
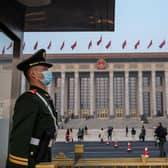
(78,162)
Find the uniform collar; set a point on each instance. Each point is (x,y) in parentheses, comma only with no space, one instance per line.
(39,90)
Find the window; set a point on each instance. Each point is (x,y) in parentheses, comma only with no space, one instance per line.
(102,91)
(146,79)
(146,103)
(159,93)
(71,94)
(119,94)
(133,94)
(84,92)
(159,79)
(159,104)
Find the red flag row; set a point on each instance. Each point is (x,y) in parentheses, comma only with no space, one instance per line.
(107,46)
(90,44)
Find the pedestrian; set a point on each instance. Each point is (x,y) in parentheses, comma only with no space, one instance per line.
(67,135)
(109,133)
(142,134)
(133,132)
(34,120)
(101,135)
(86,130)
(82,134)
(156,143)
(79,135)
(71,135)
(126,131)
(161,133)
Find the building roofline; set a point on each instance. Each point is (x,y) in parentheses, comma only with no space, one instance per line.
(118,57)
(108,55)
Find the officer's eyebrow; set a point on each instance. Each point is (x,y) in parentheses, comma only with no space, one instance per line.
(34,68)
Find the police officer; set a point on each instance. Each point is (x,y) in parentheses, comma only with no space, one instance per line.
(161,133)
(34,120)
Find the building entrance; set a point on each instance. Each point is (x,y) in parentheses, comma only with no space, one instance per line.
(84,95)
(119,94)
(102,94)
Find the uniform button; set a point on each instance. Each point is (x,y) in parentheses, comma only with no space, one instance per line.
(31,153)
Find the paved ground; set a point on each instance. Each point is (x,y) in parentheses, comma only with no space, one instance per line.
(93,148)
(118,135)
(97,149)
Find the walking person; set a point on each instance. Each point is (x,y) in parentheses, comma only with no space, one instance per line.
(86,130)
(161,133)
(133,133)
(79,135)
(142,134)
(109,133)
(67,135)
(101,135)
(34,123)
(71,135)
(82,134)
(126,131)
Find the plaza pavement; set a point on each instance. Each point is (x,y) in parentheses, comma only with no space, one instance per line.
(118,135)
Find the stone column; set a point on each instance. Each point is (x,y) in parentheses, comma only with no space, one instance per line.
(23,84)
(51,89)
(92,97)
(62,92)
(127,94)
(77,96)
(166,91)
(111,94)
(66,96)
(140,93)
(154,93)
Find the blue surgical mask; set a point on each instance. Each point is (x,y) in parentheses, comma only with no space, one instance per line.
(47,77)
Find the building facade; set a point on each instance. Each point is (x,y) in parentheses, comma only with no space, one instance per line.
(104,88)
(110,86)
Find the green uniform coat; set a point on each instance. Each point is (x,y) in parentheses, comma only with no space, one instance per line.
(31,118)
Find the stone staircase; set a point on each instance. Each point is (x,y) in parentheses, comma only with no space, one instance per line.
(153,122)
(116,123)
(102,123)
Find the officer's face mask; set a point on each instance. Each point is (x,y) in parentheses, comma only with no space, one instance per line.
(47,77)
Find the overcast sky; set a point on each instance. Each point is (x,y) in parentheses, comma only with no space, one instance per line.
(143,20)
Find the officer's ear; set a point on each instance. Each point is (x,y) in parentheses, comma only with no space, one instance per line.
(34,73)
(31,73)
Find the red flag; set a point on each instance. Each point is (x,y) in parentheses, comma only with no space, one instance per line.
(35,45)
(137,44)
(24,45)
(3,50)
(62,45)
(90,44)
(74,45)
(150,44)
(108,44)
(124,44)
(162,44)
(49,45)
(10,46)
(99,41)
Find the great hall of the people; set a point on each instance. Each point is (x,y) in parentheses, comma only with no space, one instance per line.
(109,85)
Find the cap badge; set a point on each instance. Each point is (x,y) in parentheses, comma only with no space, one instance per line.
(44,55)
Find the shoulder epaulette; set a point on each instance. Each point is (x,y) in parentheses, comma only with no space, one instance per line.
(33,91)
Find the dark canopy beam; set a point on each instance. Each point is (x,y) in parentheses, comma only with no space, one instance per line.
(71,15)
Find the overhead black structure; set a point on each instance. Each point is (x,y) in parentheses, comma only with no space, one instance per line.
(71,15)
